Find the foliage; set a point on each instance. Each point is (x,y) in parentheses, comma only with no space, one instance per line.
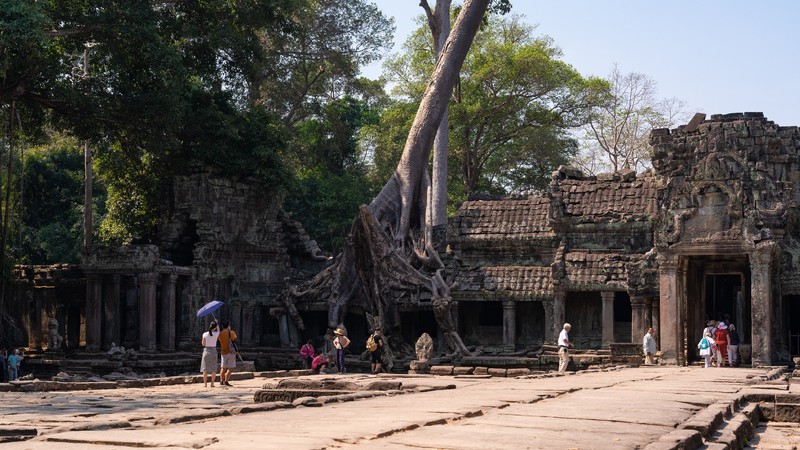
(511,111)
(333,183)
(52,203)
(617,135)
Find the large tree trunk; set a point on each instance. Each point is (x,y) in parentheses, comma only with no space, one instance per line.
(389,256)
(439,24)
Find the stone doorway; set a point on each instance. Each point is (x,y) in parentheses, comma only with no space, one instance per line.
(717,287)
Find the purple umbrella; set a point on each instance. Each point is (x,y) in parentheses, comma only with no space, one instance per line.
(209,308)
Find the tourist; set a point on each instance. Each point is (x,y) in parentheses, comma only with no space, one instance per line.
(706,346)
(340,342)
(563,348)
(649,347)
(377,352)
(710,329)
(733,346)
(3,366)
(319,363)
(307,353)
(13,365)
(228,350)
(721,339)
(209,362)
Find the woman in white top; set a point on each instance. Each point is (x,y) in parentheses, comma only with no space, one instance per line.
(209,361)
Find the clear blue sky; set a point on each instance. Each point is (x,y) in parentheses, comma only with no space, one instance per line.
(717,56)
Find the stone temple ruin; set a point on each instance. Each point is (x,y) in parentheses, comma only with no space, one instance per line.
(710,231)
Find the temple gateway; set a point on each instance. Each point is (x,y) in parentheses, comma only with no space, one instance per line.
(710,232)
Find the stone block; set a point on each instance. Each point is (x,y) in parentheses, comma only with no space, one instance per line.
(463,370)
(518,372)
(245,366)
(442,370)
(787,412)
(497,372)
(677,439)
(481,371)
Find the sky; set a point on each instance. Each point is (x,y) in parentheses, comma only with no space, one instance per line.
(717,56)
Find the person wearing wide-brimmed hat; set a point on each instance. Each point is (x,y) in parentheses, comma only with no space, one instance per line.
(340,342)
(721,339)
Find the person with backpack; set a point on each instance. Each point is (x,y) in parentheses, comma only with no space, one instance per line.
(375,347)
(307,353)
(706,346)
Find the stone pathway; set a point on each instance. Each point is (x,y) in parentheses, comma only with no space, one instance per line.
(623,409)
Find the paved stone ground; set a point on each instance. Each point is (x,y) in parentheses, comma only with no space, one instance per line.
(623,409)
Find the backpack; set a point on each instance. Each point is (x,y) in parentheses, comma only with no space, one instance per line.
(371,344)
(704,344)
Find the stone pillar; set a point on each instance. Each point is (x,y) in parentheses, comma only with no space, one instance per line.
(454,315)
(131,326)
(248,312)
(186,316)
(111,313)
(638,319)
(559,315)
(283,330)
(761,306)
(167,321)
(654,311)
(547,305)
(147,312)
(94,312)
(509,324)
(608,317)
(669,310)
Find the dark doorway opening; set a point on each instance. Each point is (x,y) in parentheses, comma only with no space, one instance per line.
(623,313)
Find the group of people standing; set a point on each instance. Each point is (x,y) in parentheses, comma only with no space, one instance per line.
(10,361)
(228,348)
(318,361)
(720,342)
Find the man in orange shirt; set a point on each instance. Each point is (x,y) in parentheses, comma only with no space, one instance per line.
(227,343)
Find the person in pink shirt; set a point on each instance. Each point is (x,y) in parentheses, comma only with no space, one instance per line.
(319,363)
(307,353)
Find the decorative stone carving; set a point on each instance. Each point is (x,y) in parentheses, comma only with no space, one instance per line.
(424,347)
(54,340)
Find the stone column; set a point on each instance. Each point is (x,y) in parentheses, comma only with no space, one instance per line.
(638,319)
(147,312)
(454,315)
(547,305)
(248,312)
(94,312)
(608,317)
(669,311)
(509,324)
(131,325)
(761,306)
(186,341)
(283,330)
(167,321)
(111,313)
(559,315)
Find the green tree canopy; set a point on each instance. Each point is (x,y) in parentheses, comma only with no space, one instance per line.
(511,112)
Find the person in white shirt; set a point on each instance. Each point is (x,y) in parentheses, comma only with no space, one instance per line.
(649,347)
(209,362)
(563,348)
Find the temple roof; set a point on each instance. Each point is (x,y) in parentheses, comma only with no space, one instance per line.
(597,270)
(621,200)
(517,218)
(507,281)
